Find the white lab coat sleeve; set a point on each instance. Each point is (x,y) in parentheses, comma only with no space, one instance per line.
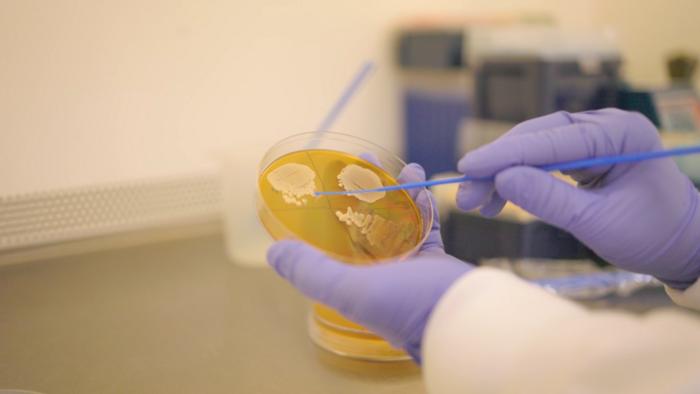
(494,333)
(689,298)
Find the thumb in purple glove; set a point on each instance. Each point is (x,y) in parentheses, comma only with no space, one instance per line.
(642,217)
(393,299)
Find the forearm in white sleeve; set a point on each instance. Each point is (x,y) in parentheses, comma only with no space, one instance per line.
(689,298)
(494,333)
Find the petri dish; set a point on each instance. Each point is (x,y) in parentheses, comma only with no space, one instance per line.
(356,229)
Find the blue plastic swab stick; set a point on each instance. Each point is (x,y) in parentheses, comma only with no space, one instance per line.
(347,94)
(345,97)
(340,104)
(565,166)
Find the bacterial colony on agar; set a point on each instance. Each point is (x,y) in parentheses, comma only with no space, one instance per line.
(357,228)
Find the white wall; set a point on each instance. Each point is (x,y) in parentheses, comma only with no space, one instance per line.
(103,91)
(96,92)
(650,30)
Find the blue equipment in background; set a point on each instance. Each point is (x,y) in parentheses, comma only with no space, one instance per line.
(431,122)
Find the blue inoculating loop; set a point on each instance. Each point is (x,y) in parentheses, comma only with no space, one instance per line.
(347,94)
(597,285)
(564,166)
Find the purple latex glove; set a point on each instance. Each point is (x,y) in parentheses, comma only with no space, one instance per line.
(642,217)
(393,299)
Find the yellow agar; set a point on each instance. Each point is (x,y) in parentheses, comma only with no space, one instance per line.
(316,222)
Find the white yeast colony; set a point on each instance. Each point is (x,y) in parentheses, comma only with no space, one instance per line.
(373,227)
(354,177)
(295,182)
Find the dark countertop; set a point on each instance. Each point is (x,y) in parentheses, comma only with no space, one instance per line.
(179,317)
(171,317)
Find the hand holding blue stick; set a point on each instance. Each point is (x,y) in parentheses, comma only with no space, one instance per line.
(565,166)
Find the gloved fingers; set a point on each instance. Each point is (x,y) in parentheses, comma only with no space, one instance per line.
(550,121)
(494,206)
(425,201)
(433,242)
(412,172)
(572,142)
(553,200)
(371,157)
(472,195)
(586,176)
(308,269)
(546,122)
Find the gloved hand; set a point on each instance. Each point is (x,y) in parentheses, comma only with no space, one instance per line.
(393,299)
(642,217)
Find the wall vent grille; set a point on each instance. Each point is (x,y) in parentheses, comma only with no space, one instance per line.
(34,219)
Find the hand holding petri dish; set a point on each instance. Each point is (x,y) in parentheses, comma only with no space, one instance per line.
(363,228)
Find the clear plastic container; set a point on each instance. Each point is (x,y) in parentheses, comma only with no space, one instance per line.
(390,227)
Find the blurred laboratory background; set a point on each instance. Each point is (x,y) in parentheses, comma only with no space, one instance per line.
(141,107)
(131,134)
